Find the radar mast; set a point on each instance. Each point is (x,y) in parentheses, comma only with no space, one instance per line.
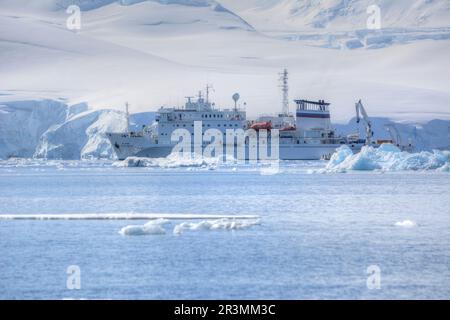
(284,77)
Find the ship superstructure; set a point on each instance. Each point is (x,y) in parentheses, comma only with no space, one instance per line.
(306,134)
(155,140)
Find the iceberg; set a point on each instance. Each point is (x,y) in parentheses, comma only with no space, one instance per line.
(406,224)
(174,160)
(219,224)
(387,158)
(155,227)
(123,216)
(340,155)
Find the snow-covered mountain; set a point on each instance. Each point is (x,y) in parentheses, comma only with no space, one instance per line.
(340,15)
(427,136)
(343,23)
(156,52)
(114,57)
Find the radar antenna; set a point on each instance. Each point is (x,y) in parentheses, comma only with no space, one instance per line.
(236,98)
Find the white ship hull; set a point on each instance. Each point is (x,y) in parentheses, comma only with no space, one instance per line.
(308,136)
(126,146)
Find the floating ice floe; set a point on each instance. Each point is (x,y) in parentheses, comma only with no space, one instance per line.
(386,158)
(220,224)
(54,164)
(171,161)
(122,216)
(155,227)
(406,224)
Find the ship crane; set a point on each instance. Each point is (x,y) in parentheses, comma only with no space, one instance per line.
(360,111)
(397,138)
(395,135)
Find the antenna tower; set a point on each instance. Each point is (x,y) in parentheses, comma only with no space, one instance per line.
(285,89)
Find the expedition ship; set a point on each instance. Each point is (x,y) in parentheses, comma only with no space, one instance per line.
(307,136)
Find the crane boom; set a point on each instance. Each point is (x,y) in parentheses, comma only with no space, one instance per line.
(360,111)
(395,135)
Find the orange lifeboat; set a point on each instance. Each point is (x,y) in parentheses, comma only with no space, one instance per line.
(261,126)
(289,128)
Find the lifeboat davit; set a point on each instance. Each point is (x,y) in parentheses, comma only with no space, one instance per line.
(261,126)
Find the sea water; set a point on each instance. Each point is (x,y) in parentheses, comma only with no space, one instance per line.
(319,234)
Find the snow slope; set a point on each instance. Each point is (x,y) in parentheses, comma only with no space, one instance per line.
(153,53)
(340,15)
(343,23)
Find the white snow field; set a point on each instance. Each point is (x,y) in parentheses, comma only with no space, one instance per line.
(339,15)
(154,53)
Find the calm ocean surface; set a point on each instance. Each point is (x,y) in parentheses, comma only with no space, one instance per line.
(317,235)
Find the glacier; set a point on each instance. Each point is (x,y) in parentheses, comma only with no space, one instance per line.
(82,136)
(22,123)
(53,130)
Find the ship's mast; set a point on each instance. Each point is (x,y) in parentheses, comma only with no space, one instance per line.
(128,117)
(208,87)
(285,89)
